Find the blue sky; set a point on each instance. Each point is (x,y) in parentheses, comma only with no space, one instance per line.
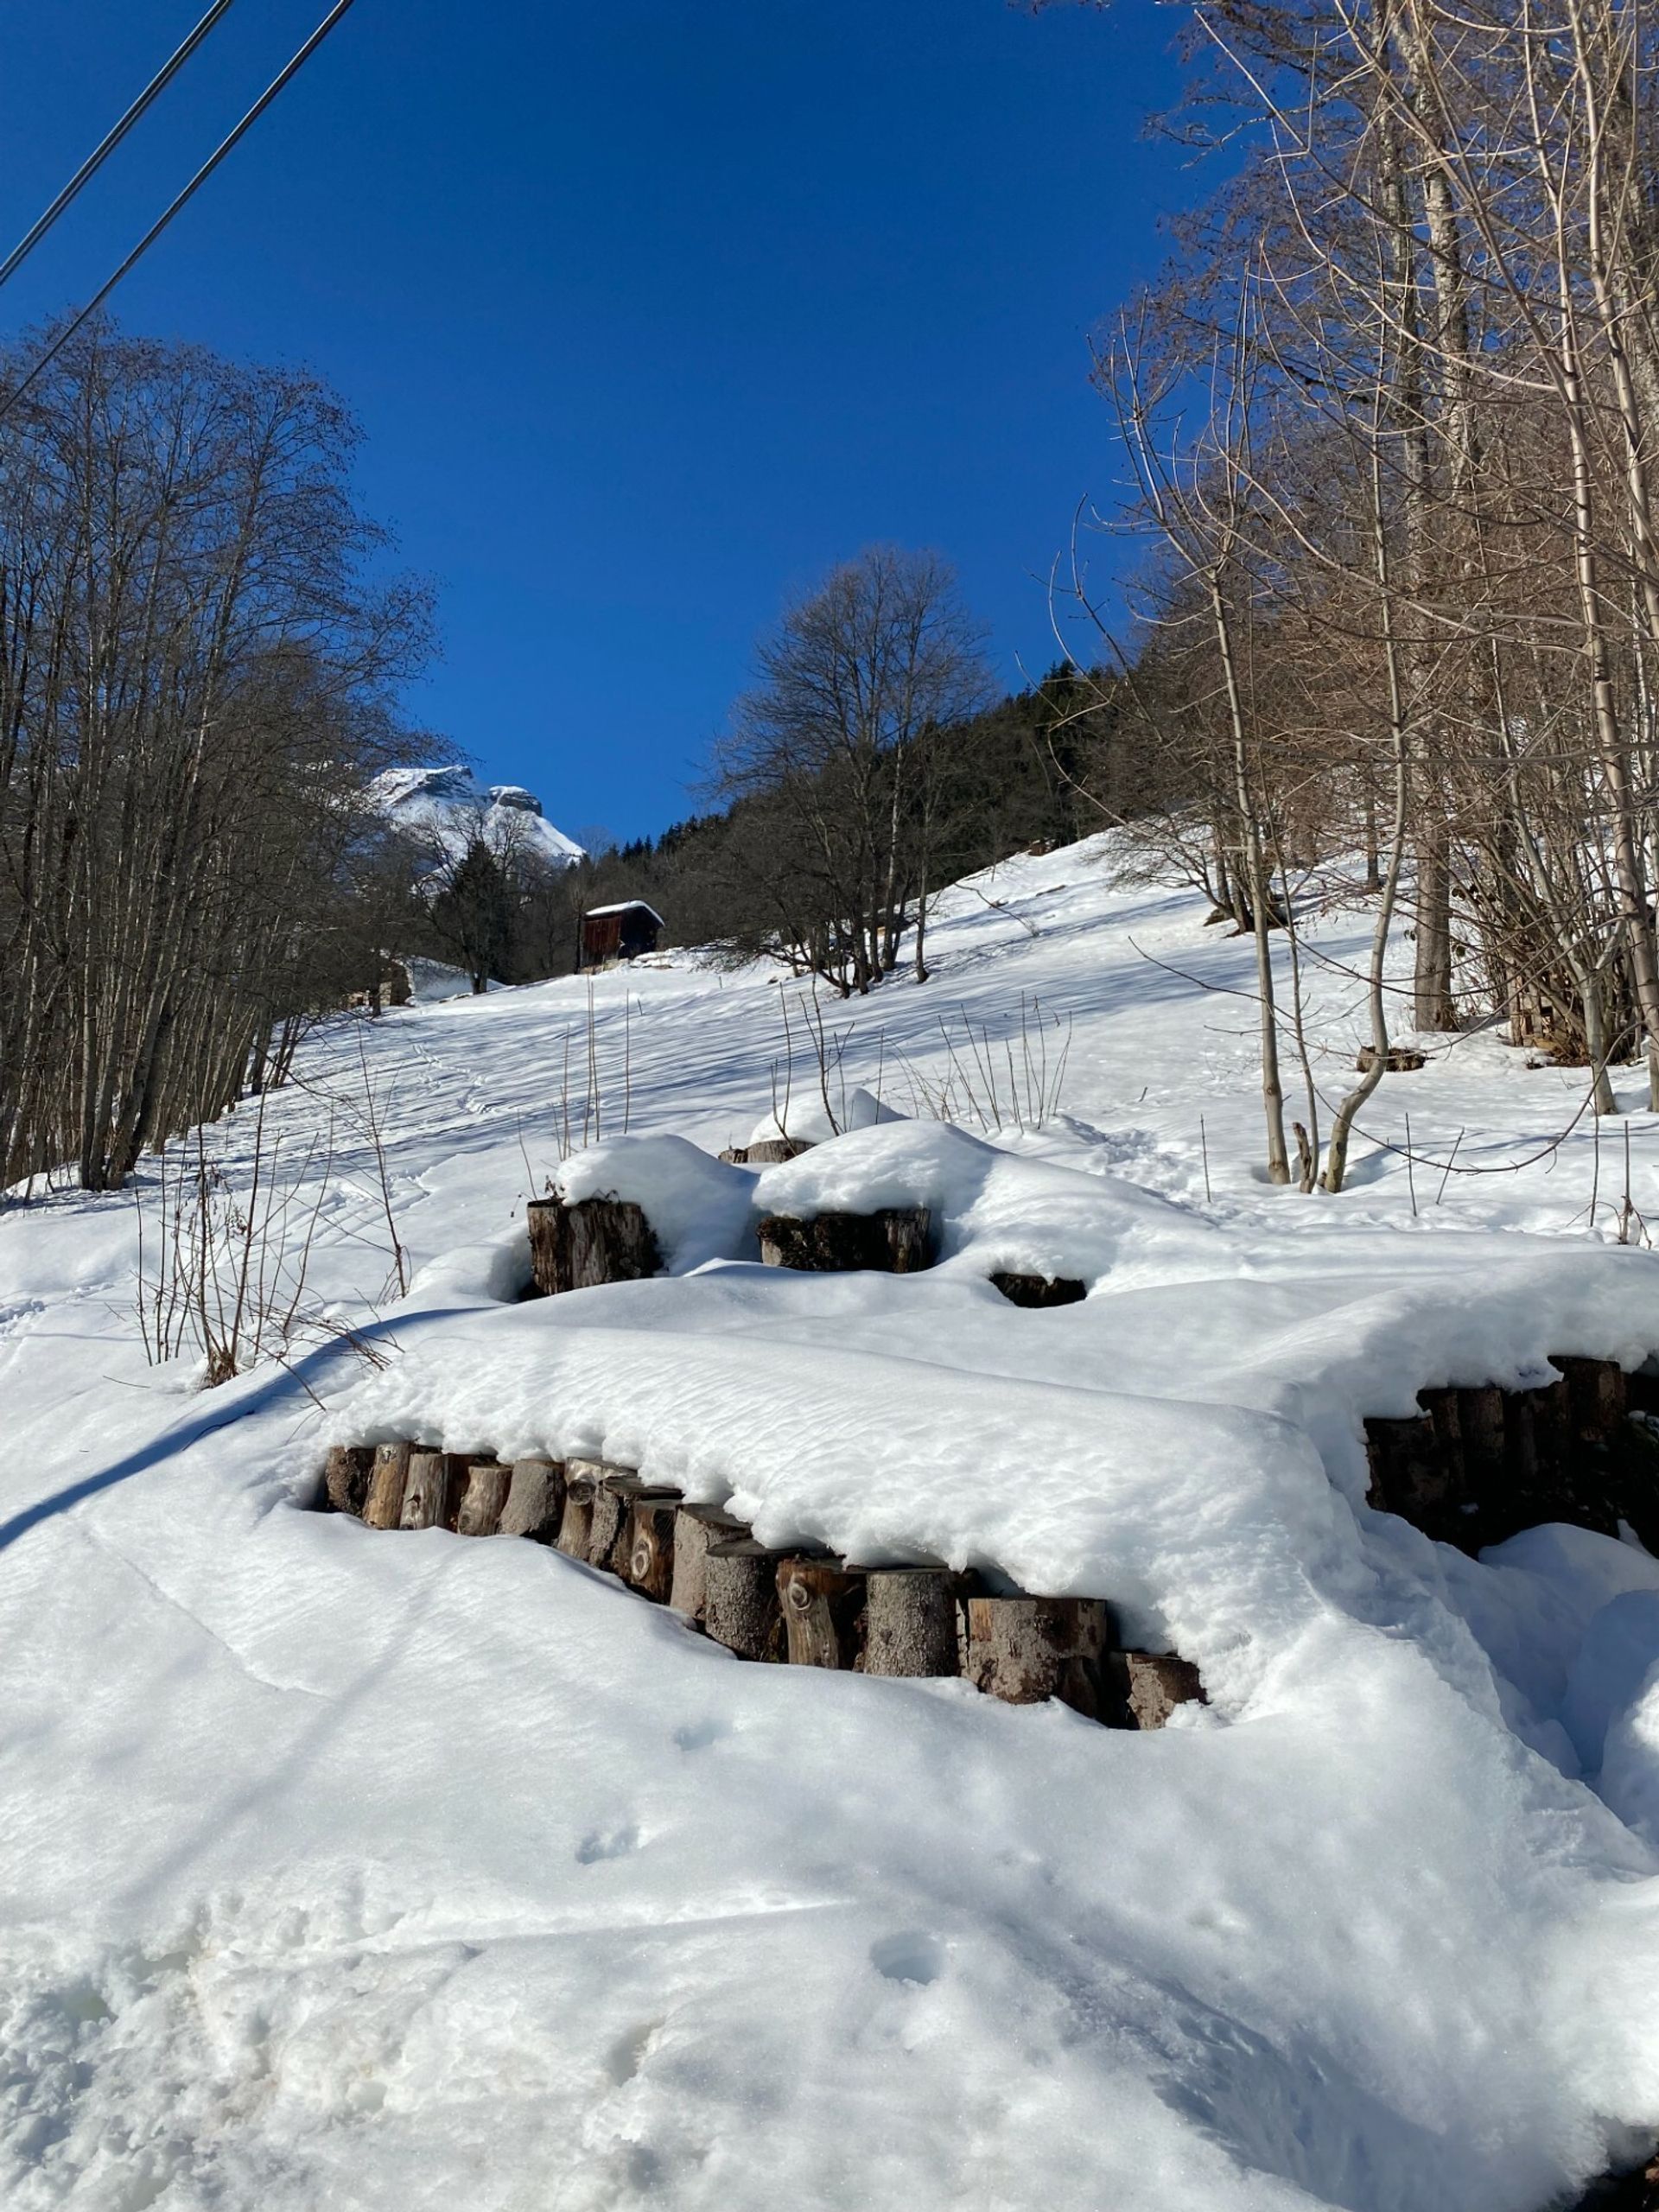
(651,310)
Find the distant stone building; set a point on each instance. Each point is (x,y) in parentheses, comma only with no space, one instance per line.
(621,932)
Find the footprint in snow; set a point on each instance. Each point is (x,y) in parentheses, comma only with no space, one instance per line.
(617,1844)
(912,1956)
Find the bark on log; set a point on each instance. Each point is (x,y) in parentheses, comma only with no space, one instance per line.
(595,1241)
(770,1151)
(1040,1292)
(483,1497)
(1025,1650)
(576,1523)
(823,1606)
(651,1544)
(535,1503)
(1486,1452)
(696,1527)
(741,1606)
(1597,1397)
(911,1621)
(608,1531)
(383,1507)
(1145,1686)
(346,1478)
(426,1491)
(897,1241)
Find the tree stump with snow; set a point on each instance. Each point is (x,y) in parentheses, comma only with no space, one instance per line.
(384,1506)
(483,1495)
(899,1241)
(1597,1397)
(911,1621)
(1144,1688)
(740,1607)
(535,1500)
(345,1479)
(595,1241)
(608,1531)
(1399,1059)
(651,1544)
(426,1493)
(696,1528)
(1026,1649)
(822,1607)
(576,1522)
(767,1152)
(1040,1292)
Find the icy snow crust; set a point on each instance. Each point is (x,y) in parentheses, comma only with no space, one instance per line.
(347,1870)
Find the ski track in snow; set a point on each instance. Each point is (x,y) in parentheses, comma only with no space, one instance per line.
(343,1871)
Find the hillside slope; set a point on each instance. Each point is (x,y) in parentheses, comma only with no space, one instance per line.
(354,1871)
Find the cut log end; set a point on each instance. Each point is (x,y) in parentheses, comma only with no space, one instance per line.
(1040,1292)
(1026,1649)
(596,1241)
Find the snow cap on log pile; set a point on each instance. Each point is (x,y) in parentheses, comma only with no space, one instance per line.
(699,1208)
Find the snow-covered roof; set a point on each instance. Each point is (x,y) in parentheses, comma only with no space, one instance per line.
(626,906)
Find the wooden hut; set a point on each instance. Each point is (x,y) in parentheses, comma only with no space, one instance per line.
(619,932)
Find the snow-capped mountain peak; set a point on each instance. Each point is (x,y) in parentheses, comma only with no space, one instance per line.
(448,807)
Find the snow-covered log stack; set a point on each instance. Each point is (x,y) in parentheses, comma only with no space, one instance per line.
(787,1604)
(898,1241)
(1477,1465)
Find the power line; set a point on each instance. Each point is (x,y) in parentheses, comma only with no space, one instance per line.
(220,152)
(95,161)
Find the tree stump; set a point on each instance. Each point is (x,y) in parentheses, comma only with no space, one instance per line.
(740,1607)
(1024,1649)
(696,1527)
(651,1544)
(483,1497)
(535,1503)
(383,1507)
(1145,1686)
(1597,1397)
(347,1478)
(770,1151)
(595,1241)
(426,1493)
(1040,1292)
(608,1529)
(1399,1059)
(823,1606)
(897,1241)
(911,1621)
(576,1523)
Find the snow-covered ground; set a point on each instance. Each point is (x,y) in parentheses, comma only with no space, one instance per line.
(348,1871)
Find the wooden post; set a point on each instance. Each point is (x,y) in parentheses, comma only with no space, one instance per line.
(483,1497)
(346,1478)
(383,1507)
(897,1241)
(1024,1649)
(576,1523)
(651,1543)
(741,1609)
(1040,1292)
(911,1621)
(823,1606)
(426,1491)
(696,1527)
(535,1503)
(595,1241)
(1145,1686)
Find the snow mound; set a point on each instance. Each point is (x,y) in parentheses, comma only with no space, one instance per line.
(446,808)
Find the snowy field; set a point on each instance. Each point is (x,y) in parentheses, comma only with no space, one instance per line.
(348,1871)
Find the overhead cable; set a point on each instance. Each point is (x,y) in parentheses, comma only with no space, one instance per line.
(220,152)
(95,161)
